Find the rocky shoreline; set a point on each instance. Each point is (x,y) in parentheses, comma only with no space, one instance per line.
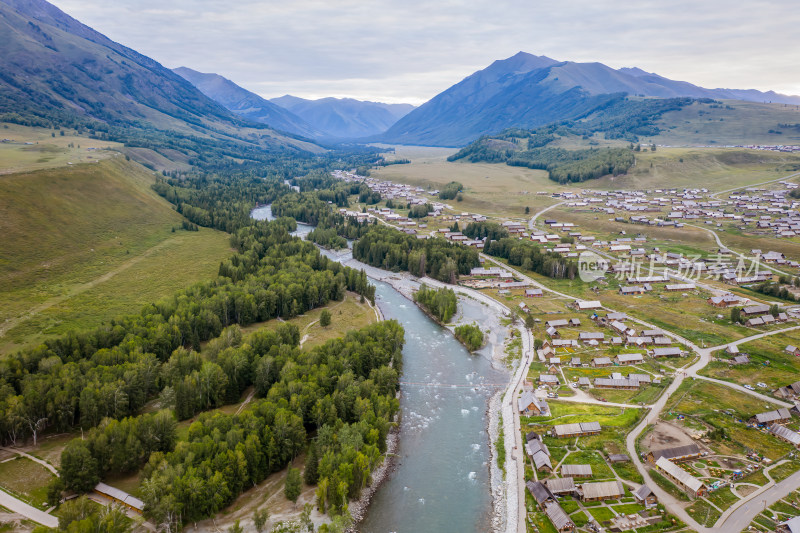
(358,509)
(497,484)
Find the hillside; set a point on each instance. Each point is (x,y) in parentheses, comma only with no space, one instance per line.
(526,91)
(345,118)
(246,104)
(86,241)
(57,71)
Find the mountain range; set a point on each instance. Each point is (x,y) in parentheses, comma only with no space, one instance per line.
(246,104)
(345,118)
(329,119)
(56,70)
(528,91)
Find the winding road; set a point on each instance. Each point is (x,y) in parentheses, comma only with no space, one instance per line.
(738,516)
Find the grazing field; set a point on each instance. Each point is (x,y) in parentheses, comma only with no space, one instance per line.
(30,149)
(191,256)
(734,122)
(71,231)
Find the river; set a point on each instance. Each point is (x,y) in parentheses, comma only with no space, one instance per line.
(265,213)
(440,480)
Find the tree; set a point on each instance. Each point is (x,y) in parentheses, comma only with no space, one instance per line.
(293,485)
(305,518)
(78,468)
(260,517)
(325,318)
(55,490)
(310,474)
(527,210)
(736,315)
(235,528)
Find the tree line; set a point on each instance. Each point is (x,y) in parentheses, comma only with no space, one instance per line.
(451,190)
(531,257)
(387,248)
(571,166)
(492,231)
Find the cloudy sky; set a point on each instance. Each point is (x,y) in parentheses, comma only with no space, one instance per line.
(410,50)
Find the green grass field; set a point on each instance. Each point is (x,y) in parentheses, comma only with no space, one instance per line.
(723,498)
(27,480)
(600,469)
(770,364)
(504,191)
(708,401)
(349,314)
(90,242)
(735,122)
(47,151)
(703,512)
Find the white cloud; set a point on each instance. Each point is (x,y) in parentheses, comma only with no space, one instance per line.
(411,50)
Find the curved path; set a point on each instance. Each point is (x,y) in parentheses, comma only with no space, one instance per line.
(672,503)
(42,462)
(32,513)
(532,221)
(742,256)
(715,194)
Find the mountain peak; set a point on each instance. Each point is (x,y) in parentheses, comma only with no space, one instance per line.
(635,71)
(520,63)
(245,103)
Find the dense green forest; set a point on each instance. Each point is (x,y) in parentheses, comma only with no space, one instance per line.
(570,166)
(441,303)
(621,118)
(563,166)
(387,248)
(531,257)
(343,391)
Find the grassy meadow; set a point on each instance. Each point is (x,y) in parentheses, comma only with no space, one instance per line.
(47,150)
(84,243)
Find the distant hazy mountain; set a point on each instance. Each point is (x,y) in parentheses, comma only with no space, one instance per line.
(247,104)
(56,70)
(528,91)
(345,118)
